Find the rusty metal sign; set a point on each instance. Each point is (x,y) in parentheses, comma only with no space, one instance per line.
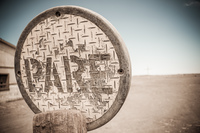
(72,58)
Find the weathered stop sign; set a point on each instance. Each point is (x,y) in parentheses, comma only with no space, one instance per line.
(72,58)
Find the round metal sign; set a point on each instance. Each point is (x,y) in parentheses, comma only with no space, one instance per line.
(72,58)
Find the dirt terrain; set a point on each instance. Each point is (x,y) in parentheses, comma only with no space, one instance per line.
(155,104)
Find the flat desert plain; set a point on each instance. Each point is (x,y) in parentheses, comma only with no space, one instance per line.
(155,104)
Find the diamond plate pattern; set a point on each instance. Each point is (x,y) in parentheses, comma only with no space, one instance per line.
(67,62)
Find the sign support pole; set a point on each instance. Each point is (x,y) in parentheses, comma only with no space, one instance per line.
(59,121)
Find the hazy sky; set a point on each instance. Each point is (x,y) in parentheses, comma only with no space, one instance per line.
(162,36)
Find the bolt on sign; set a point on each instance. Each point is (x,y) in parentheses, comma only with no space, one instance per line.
(69,57)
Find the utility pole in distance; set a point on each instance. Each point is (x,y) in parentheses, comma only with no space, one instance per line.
(148,70)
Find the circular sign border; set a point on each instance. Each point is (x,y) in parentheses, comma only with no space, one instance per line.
(116,40)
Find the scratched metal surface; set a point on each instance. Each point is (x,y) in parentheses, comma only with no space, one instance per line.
(69,63)
(66,61)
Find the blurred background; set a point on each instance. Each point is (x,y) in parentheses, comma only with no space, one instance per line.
(163,40)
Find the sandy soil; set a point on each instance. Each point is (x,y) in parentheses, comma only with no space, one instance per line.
(155,104)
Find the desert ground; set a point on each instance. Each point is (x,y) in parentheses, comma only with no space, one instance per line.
(155,104)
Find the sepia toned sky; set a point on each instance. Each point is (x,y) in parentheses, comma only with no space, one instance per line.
(162,36)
